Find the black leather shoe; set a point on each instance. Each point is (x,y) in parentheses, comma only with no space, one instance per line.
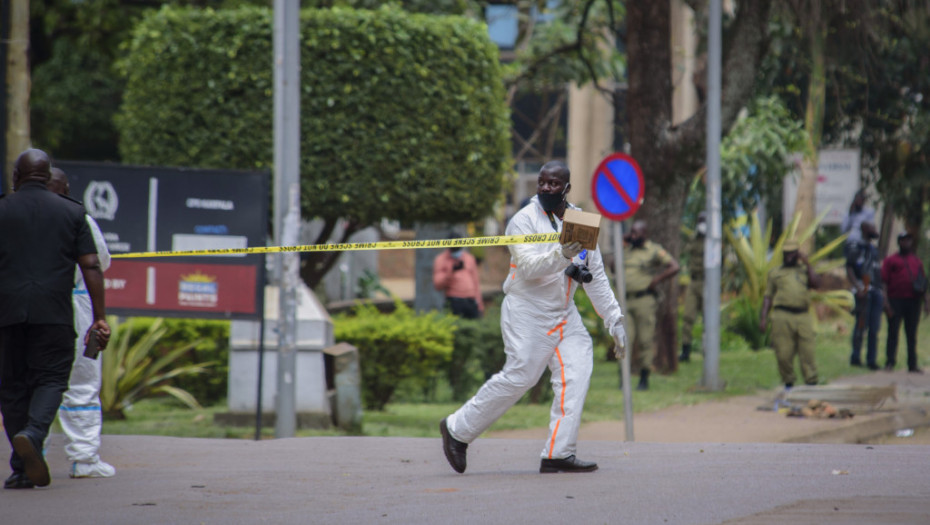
(569,464)
(18,480)
(35,467)
(454,449)
(872,366)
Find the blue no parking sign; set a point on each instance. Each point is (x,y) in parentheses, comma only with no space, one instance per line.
(617,187)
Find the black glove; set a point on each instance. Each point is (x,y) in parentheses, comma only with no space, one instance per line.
(458,265)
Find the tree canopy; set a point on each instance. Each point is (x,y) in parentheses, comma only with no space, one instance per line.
(402,116)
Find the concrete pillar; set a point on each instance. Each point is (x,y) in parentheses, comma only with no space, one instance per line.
(343,379)
(314,334)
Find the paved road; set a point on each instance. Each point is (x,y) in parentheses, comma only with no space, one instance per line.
(687,476)
(401,480)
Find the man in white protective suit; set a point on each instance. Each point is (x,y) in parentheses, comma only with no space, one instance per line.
(541,327)
(80,413)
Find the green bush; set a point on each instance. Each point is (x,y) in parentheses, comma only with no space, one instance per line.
(743,316)
(395,347)
(133,369)
(74,97)
(213,346)
(402,115)
(211,338)
(478,353)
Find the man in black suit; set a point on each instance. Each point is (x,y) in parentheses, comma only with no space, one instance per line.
(44,236)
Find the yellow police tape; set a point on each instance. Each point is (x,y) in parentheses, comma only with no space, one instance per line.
(500,240)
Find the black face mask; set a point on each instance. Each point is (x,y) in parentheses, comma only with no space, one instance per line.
(551,201)
(872,235)
(638,242)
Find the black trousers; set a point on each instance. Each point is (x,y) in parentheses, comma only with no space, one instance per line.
(907,310)
(35,364)
(464,307)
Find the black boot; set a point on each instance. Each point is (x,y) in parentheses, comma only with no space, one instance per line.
(685,353)
(643,380)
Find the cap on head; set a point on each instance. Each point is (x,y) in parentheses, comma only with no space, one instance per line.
(791,245)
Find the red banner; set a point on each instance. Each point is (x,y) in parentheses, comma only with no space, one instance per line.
(158,286)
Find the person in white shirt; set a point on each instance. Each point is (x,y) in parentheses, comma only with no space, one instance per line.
(542,327)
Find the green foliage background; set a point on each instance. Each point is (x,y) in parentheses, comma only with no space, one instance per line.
(403,115)
(74,99)
(211,338)
(395,347)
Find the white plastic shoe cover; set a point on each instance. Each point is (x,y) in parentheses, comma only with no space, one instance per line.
(100,469)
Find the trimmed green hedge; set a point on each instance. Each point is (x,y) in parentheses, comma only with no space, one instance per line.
(403,115)
(395,347)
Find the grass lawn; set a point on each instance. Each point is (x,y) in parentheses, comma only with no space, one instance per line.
(744,372)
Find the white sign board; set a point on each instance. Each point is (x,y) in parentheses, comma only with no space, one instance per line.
(837,183)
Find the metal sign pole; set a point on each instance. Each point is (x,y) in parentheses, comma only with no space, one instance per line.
(713,244)
(287,204)
(625,362)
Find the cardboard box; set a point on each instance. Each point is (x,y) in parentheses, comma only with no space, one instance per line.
(582,227)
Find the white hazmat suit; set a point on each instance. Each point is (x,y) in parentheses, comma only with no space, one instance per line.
(80,413)
(541,327)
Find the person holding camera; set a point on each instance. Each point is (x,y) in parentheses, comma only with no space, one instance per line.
(905,285)
(645,265)
(44,237)
(455,274)
(542,327)
(81,415)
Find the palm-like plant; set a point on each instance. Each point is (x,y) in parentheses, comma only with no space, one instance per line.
(757,261)
(133,372)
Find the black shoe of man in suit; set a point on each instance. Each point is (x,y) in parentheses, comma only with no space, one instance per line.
(18,480)
(36,468)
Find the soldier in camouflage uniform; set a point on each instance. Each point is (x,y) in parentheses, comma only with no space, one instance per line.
(694,297)
(788,292)
(645,265)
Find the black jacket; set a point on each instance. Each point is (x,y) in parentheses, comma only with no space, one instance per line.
(42,234)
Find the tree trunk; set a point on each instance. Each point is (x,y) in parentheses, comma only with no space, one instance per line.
(17,87)
(813,127)
(670,155)
(664,217)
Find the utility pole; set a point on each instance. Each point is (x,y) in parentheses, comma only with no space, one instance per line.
(713,243)
(286,204)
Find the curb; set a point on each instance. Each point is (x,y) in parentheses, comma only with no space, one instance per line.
(908,417)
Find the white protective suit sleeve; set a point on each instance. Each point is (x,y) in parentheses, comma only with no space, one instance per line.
(533,264)
(602,295)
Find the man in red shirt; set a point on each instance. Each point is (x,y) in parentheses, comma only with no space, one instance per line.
(455,273)
(900,272)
